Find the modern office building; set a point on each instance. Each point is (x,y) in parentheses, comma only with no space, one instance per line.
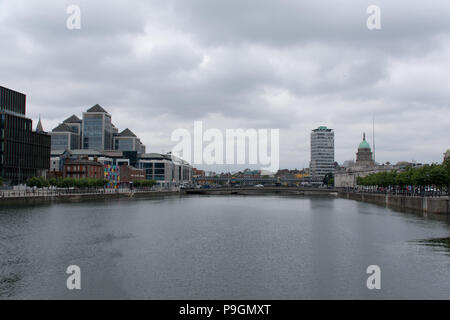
(165,169)
(322,153)
(97,129)
(128,141)
(76,124)
(65,137)
(24,153)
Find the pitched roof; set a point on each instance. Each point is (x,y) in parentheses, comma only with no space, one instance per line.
(97,108)
(39,127)
(72,119)
(127,133)
(63,128)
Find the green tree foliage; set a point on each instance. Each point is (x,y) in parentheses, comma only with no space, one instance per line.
(432,175)
(328,179)
(144,183)
(38,182)
(84,183)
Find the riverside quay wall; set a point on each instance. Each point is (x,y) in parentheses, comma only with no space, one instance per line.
(435,205)
(43,197)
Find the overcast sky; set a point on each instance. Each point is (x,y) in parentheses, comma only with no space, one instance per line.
(160,65)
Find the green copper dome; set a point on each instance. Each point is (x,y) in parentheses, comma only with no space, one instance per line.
(364,144)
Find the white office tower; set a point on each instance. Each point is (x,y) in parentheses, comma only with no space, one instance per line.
(322,153)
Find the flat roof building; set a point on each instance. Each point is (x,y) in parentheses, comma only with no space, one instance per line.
(24,153)
(322,153)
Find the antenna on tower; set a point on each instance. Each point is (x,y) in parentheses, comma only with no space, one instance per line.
(373,136)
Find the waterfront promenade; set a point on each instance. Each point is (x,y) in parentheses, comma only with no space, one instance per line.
(80,194)
(425,204)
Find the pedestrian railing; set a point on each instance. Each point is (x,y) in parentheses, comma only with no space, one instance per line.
(30,193)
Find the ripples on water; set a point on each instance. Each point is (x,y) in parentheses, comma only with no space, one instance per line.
(222,247)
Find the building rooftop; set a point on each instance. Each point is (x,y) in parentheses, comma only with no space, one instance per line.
(39,127)
(364,144)
(127,133)
(322,128)
(113,153)
(57,152)
(82,152)
(155,156)
(63,128)
(72,119)
(97,108)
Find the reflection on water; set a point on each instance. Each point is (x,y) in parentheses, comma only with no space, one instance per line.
(222,247)
(439,242)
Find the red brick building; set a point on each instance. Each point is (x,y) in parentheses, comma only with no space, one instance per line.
(198,173)
(129,174)
(79,169)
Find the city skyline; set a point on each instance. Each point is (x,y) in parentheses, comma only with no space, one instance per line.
(172,64)
(225,168)
(224,157)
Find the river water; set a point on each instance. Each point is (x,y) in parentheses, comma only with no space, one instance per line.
(222,247)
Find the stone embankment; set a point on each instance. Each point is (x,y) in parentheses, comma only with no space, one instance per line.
(435,205)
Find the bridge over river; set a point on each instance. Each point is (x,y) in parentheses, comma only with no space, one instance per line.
(250,180)
(264,190)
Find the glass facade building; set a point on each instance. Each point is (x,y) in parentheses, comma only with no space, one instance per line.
(23,152)
(12,102)
(165,169)
(125,144)
(97,129)
(74,123)
(64,138)
(322,153)
(128,141)
(64,141)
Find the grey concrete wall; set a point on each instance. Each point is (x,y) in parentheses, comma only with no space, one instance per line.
(424,204)
(84,197)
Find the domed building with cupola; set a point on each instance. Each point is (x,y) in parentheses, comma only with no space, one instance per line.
(364,165)
(364,157)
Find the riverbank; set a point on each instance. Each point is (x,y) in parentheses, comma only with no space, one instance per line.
(76,197)
(432,205)
(43,196)
(437,205)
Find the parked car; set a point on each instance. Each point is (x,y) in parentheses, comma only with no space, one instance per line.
(259,186)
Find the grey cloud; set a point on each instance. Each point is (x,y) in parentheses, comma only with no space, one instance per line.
(291,65)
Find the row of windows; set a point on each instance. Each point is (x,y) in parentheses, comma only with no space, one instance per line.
(60,141)
(12,101)
(17,154)
(97,132)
